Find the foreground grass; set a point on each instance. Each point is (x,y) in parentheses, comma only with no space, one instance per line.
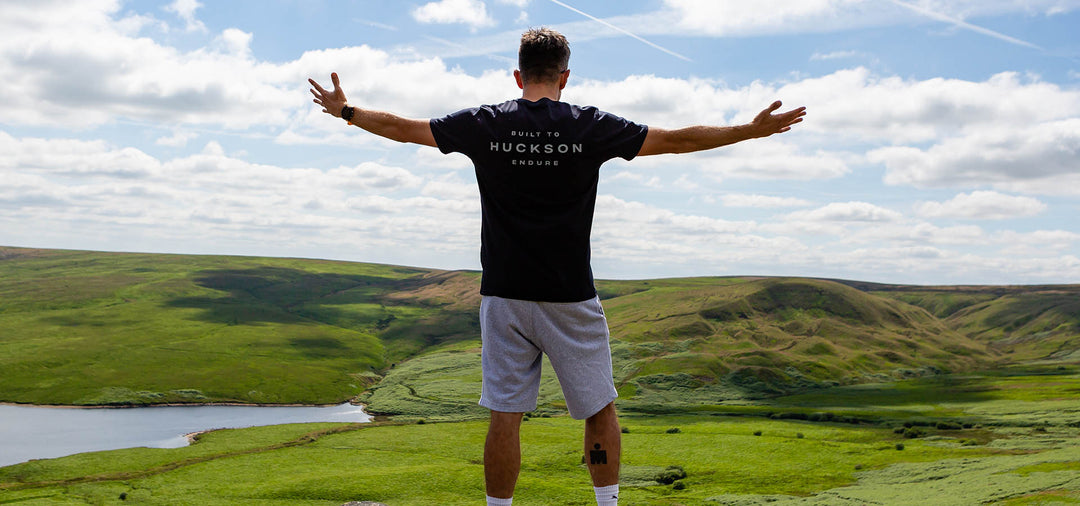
(746,459)
(441,463)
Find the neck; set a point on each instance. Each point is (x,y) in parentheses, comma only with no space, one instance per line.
(534,92)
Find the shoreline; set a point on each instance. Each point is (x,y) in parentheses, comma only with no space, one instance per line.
(175,405)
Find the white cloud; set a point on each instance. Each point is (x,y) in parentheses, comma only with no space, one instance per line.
(68,157)
(847,212)
(178,139)
(652,182)
(761,201)
(185,10)
(771,159)
(984,205)
(635,232)
(1037,244)
(470,12)
(857,104)
(83,67)
(236,42)
(1000,154)
(212,197)
(834,55)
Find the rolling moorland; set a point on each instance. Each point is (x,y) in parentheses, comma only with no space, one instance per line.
(826,390)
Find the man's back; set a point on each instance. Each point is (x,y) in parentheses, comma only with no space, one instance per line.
(537,165)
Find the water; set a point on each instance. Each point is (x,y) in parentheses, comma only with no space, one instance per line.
(28,432)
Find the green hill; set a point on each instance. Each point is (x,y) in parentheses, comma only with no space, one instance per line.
(1026,323)
(111,328)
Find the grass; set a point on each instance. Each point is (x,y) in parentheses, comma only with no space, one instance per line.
(746,459)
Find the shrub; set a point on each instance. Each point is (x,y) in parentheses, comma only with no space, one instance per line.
(673,430)
(948,426)
(757,432)
(671,475)
(678,485)
(899,446)
(626,430)
(799,435)
(420,422)
(913,433)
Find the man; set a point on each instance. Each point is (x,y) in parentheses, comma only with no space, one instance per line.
(537,164)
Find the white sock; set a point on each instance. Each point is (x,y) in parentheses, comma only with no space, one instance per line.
(607,496)
(495,501)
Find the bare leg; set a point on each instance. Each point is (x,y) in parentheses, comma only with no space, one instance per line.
(502,454)
(603,445)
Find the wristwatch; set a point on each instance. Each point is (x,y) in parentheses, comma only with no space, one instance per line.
(347,113)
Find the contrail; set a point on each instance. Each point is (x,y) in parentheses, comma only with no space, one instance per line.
(609,25)
(963,24)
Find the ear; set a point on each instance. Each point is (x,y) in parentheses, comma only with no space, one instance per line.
(563,78)
(517,77)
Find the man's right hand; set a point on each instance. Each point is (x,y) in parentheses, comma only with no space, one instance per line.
(331,101)
(766,123)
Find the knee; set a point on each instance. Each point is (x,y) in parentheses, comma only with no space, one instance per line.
(504,420)
(606,415)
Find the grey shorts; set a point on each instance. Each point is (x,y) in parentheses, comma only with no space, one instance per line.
(573,335)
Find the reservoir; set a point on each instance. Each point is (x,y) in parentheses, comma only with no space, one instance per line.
(28,432)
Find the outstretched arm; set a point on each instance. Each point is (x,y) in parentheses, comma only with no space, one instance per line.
(380,123)
(698,138)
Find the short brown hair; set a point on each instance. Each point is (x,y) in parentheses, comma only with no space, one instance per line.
(543,55)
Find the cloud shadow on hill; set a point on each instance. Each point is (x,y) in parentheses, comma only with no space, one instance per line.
(281,295)
(398,308)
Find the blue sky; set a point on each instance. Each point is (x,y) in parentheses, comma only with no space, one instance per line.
(941,144)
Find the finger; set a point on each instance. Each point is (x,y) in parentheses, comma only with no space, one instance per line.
(316,85)
(334,78)
(797,113)
(775,105)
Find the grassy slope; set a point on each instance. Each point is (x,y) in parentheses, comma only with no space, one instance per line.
(1032,323)
(99,328)
(679,343)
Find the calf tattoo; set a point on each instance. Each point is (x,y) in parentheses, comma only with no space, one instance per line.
(597,456)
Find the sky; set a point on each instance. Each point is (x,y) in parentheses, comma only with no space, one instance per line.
(941,143)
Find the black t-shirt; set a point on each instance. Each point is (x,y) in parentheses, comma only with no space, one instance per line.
(537,165)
